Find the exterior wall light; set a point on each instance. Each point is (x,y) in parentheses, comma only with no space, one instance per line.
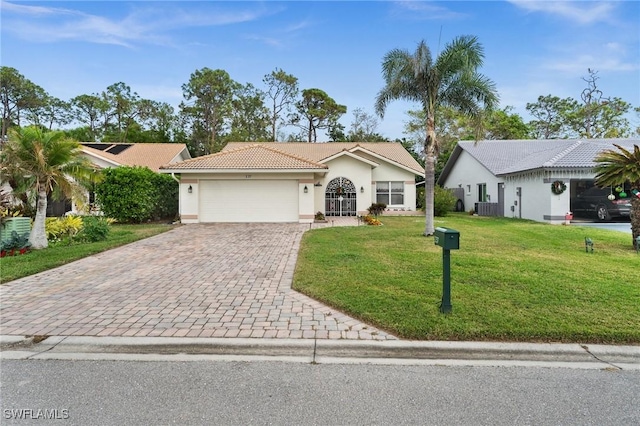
(190,190)
(306,189)
(362,189)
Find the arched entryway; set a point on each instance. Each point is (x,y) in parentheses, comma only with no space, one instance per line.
(340,198)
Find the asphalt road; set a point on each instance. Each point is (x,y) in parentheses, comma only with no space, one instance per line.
(256,393)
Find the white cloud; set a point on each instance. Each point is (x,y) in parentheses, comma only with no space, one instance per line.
(607,56)
(278,41)
(580,63)
(33,10)
(423,10)
(297,26)
(141,25)
(615,47)
(270,41)
(581,12)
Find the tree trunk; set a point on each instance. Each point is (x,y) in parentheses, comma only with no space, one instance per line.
(429,175)
(429,184)
(38,236)
(274,122)
(635,219)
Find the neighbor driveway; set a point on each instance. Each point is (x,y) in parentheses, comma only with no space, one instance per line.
(217,280)
(612,226)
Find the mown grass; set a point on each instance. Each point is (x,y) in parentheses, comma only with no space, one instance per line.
(12,268)
(512,280)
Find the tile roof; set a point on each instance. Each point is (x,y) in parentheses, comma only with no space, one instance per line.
(318,152)
(503,157)
(248,157)
(151,155)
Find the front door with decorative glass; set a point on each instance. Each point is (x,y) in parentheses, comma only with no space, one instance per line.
(340,198)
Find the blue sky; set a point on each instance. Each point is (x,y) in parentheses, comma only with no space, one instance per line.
(532,48)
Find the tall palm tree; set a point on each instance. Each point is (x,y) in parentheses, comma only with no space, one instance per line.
(451,80)
(617,167)
(48,160)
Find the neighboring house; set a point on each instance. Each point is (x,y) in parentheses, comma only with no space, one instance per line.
(513,178)
(290,182)
(106,155)
(151,155)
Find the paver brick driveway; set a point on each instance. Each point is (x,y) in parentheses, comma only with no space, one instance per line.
(218,280)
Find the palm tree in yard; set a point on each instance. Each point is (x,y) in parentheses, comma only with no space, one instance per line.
(617,167)
(450,80)
(46,160)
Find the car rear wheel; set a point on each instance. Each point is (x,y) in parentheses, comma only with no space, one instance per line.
(603,213)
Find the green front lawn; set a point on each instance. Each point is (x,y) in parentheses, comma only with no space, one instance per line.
(15,267)
(512,280)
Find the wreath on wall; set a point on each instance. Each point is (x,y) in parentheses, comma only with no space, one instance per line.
(558,187)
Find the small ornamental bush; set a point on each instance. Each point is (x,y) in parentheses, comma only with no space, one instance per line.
(443,201)
(15,243)
(376,209)
(94,229)
(319,216)
(59,228)
(370,220)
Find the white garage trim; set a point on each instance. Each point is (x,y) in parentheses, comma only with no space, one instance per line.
(248,201)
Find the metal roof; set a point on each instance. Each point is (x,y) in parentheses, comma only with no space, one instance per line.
(504,157)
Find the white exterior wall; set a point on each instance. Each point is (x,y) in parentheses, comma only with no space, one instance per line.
(363,175)
(387,173)
(390,173)
(189,204)
(357,172)
(538,202)
(306,202)
(468,173)
(532,205)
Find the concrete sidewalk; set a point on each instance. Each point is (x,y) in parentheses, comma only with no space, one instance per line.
(324,351)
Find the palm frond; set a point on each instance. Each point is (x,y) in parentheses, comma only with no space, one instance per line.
(616,167)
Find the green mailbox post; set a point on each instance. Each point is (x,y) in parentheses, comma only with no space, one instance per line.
(448,239)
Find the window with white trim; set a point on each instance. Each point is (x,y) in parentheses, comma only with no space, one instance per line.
(390,193)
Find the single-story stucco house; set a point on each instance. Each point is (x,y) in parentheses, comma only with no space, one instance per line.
(151,155)
(291,182)
(106,154)
(514,177)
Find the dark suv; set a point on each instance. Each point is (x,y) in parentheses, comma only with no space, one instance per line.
(595,201)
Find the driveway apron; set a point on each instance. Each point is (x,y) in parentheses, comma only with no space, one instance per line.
(216,280)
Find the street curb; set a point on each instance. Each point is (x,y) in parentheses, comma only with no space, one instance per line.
(322,350)
(9,341)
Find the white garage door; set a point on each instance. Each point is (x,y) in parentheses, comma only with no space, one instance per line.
(248,201)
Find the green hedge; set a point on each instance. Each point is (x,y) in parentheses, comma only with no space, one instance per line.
(443,200)
(137,194)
